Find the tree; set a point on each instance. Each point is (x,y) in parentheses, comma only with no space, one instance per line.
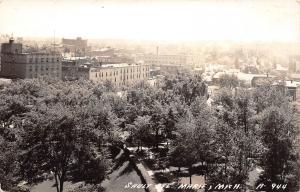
(60,135)
(279,159)
(140,129)
(55,141)
(235,130)
(229,81)
(183,148)
(157,120)
(8,164)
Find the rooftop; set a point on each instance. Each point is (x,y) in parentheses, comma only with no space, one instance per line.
(118,65)
(292,83)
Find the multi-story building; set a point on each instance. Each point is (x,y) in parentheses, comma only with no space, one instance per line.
(112,59)
(158,60)
(169,64)
(120,74)
(69,70)
(75,69)
(16,64)
(77,46)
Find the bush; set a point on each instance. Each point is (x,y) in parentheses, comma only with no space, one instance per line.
(164,177)
(88,188)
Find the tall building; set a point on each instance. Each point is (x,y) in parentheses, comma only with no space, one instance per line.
(15,64)
(120,74)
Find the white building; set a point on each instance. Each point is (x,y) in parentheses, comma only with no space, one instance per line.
(120,74)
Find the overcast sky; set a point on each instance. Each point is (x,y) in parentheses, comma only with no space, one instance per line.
(180,20)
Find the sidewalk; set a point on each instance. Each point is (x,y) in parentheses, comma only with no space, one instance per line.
(143,172)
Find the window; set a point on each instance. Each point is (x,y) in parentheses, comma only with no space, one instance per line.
(47,60)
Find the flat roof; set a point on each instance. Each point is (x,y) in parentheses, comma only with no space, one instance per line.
(117,65)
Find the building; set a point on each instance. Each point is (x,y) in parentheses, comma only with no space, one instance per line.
(249,80)
(75,68)
(112,59)
(77,46)
(121,74)
(292,89)
(18,65)
(158,60)
(69,70)
(168,64)
(172,69)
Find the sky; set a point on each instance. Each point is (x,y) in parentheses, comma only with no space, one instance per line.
(169,20)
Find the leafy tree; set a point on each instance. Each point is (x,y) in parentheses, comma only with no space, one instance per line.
(229,81)
(140,129)
(157,120)
(57,132)
(235,130)
(8,164)
(54,141)
(183,148)
(279,159)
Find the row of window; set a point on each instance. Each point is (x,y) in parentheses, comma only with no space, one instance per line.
(44,60)
(44,68)
(115,73)
(164,62)
(132,70)
(131,76)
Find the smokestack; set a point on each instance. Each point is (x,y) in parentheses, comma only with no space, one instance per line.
(157,50)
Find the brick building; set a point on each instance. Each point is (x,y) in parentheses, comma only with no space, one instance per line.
(18,65)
